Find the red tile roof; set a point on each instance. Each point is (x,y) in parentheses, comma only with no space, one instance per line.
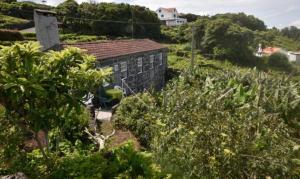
(169,9)
(116,48)
(271,50)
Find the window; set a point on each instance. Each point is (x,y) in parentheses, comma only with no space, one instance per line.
(123,70)
(162,15)
(159,10)
(174,15)
(140,64)
(116,67)
(160,58)
(151,61)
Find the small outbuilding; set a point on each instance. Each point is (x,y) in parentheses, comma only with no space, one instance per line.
(137,64)
(294,57)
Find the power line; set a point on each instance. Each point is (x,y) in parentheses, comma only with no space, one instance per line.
(109,21)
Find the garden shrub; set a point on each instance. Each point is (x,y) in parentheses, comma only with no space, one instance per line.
(130,115)
(10,35)
(280,61)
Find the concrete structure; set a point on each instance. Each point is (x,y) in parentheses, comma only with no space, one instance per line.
(137,64)
(46,28)
(170,16)
(294,57)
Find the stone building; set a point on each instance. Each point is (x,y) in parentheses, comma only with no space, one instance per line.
(136,64)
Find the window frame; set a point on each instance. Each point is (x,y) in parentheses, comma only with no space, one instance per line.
(140,65)
(116,67)
(160,58)
(152,57)
(123,70)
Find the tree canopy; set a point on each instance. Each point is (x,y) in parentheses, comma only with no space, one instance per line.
(109,19)
(40,90)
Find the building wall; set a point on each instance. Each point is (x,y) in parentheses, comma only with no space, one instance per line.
(148,79)
(176,22)
(298,59)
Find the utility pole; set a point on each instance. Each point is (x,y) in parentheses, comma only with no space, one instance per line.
(193,48)
(132,30)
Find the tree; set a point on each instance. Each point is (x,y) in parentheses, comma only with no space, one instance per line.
(190,17)
(248,21)
(106,19)
(224,40)
(291,32)
(40,90)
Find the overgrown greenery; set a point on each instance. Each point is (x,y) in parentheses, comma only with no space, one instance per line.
(22,10)
(214,123)
(43,92)
(8,22)
(108,17)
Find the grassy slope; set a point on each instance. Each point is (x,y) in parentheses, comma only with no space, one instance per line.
(6,21)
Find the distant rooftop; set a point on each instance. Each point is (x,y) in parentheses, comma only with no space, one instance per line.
(168,9)
(116,48)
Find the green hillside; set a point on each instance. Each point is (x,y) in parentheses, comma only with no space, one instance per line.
(9,22)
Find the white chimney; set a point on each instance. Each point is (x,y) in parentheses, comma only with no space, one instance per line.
(46,28)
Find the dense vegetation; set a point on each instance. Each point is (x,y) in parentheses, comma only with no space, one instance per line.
(43,92)
(109,19)
(9,22)
(233,37)
(22,10)
(291,32)
(219,122)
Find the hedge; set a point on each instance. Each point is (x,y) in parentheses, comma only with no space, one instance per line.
(10,35)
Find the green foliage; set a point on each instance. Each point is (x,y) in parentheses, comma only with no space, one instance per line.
(291,32)
(174,34)
(280,61)
(109,12)
(224,40)
(22,10)
(222,124)
(130,115)
(121,162)
(73,38)
(10,35)
(43,91)
(273,37)
(7,22)
(190,17)
(243,20)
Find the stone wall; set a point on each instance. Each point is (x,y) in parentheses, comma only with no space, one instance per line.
(149,78)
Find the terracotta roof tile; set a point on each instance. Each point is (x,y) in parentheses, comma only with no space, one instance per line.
(116,48)
(169,9)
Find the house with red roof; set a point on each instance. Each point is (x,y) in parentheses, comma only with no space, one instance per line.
(137,64)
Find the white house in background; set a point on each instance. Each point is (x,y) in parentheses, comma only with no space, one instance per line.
(294,57)
(170,16)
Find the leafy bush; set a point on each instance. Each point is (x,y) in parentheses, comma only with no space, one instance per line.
(222,124)
(130,115)
(279,60)
(121,162)
(10,35)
